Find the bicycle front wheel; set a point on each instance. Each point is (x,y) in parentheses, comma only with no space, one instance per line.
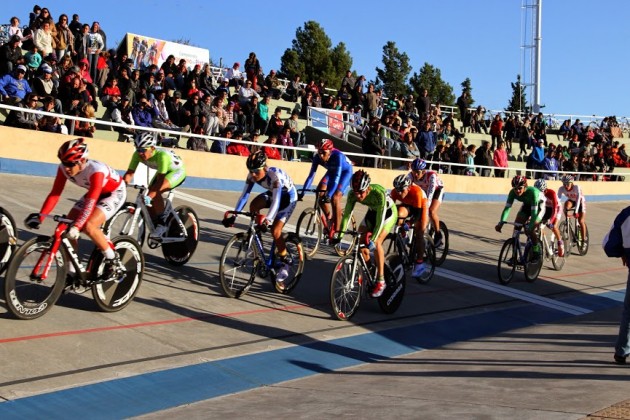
(442,251)
(238,265)
(507,262)
(532,269)
(429,259)
(556,260)
(348,242)
(294,248)
(567,238)
(582,243)
(309,229)
(27,294)
(345,288)
(8,238)
(123,223)
(114,295)
(179,253)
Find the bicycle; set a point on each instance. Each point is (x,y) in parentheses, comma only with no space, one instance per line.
(514,255)
(37,274)
(572,235)
(440,251)
(550,248)
(352,280)
(8,238)
(180,242)
(244,257)
(312,227)
(402,240)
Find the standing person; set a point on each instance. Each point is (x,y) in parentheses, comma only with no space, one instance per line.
(496,130)
(616,244)
(462,104)
(64,39)
(371,102)
(483,157)
(500,160)
(427,141)
(75,26)
(82,43)
(252,68)
(10,55)
(95,46)
(423,104)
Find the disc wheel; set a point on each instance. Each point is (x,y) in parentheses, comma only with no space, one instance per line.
(8,238)
(396,279)
(179,253)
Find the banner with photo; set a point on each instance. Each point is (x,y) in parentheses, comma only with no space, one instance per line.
(144,51)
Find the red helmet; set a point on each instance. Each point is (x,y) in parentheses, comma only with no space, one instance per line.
(73,150)
(325,144)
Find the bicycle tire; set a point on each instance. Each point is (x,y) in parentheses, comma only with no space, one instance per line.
(556,260)
(113,296)
(442,251)
(566,238)
(179,253)
(27,298)
(531,270)
(346,289)
(396,279)
(507,262)
(344,247)
(429,261)
(582,245)
(309,228)
(294,248)
(120,224)
(238,265)
(8,238)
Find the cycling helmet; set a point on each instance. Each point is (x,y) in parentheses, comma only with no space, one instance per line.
(360,181)
(144,140)
(519,181)
(567,179)
(418,164)
(73,150)
(256,160)
(541,184)
(401,182)
(325,144)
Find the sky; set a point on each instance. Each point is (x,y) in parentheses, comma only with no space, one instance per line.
(583,66)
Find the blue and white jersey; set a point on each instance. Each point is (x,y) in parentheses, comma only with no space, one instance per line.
(277,182)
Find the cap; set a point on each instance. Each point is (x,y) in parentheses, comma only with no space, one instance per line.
(541,141)
(46,68)
(21,67)
(225,79)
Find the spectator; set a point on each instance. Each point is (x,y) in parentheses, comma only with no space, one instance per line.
(143,113)
(194,113)
(372,143)
(13,86)
(205,82)
(16,30)
(470,160)
(199,144)
(95,45)
(275,122)
(483,157)
(536,158)
(272,86)
(43,16)
(500,159)
(43,39)
(347,82)
(409,149)
(550,163)
(294,90)
(22,119)
(82,43)
(237,148)
(209,118)
(423,104)
(84,128)
(371,102)
(110,90)
(218,109)
(43,85)
(169,65)
(509,132)
(33,16)
(75,26)
(220,146)
(252,69)
(261,118)
(271,151)
(426,141)
(32,59)
(246,93)
(121,114)
(64,38)
(161,119)
(462,104)
(49,123)
(10,55)
(496,130)
(235,76)
(176,111)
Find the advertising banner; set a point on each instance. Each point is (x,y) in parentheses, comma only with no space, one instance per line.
(144,51)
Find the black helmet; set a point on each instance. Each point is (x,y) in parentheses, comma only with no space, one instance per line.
(360,181)
(256,160)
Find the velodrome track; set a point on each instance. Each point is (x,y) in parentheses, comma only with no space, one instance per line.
(462,346)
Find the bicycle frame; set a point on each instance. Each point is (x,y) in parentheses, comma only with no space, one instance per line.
(144,210)
(253,235)
(358,259)
(518,252)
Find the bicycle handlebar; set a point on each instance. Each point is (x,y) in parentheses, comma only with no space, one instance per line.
(59,218)
(138,186)
(516,225)
(242,213)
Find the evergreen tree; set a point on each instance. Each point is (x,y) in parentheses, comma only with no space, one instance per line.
(430,78)
(517,103)
(468,89)
(395,72)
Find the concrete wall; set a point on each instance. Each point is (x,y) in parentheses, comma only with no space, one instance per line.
(35,153)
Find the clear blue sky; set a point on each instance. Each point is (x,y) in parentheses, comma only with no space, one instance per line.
(584,63)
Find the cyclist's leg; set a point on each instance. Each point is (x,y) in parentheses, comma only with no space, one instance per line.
(379,252)
(323,185)
(167,182)
(422,221)
(582,219)
(433,213)
(342,188)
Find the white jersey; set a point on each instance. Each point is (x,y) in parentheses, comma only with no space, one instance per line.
(111,178)
(575,195)
(430,183)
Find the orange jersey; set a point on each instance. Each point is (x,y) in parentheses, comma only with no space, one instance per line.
(414,198)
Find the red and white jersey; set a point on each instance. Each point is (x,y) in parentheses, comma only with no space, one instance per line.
(575,195)
(429,183)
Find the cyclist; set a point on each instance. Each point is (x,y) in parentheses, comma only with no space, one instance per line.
(379,220)
(170,174)
(336,181)
(105,196)
(552,214)
(533,208)
(280,198)
(414,205)
(575,201)
(433,187)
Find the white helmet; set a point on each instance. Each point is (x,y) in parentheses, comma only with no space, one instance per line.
(145,140)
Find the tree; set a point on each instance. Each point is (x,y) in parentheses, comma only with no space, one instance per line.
(430,78)
(395,72)
(468,89)
(312,57)
(517,103)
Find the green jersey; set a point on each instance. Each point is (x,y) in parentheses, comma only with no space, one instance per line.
(380,203)
(533,203)
(163,160)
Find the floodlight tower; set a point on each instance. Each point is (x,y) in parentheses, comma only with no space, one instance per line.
(531,22)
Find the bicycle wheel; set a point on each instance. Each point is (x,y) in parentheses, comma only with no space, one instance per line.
(8,238)
(429,261)
(348,242)
(442,251)
(121,224)
(238,265)
(507,262)
(179,253)
(27,295)
(112,296)
(566,238)
(345,288)
(556,260)
(309,229)
(294,248)
(532,269)
(396,279)
(582,243)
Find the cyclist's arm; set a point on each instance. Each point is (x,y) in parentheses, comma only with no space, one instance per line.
(53,197)
(380,206)
(508,206)
(552,201)
(90,199)
(311,175)
(276,194)
(578,200)
(347,212)
(431,188)
(131,169)
(244,195)
(537,201)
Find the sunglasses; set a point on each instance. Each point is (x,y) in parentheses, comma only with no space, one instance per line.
(69,164)
(255,171)
(142,149)
(519,189)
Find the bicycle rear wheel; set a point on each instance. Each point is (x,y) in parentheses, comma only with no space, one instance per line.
(348,242)
(507,262)
(345,288)
(532,269)
(27,295)
(294,248)
(396,279)
(8,238)
(567,238)
(238,265)
(556,260)
(112,296)
(309,229)
(121,224)
(179,253)
(582,243)
(442,251)
(429,261)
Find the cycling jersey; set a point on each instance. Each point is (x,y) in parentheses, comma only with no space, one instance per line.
(338,172)
(575,196)
(166,162)
(379,203)
(98,178)
(431,184)
(533,205)
(553,211)
(415,199)
(282,191)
